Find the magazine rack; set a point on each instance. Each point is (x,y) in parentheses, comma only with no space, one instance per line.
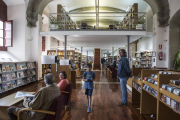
(16,74)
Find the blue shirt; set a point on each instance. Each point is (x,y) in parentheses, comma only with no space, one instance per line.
(89,75)
(123,68)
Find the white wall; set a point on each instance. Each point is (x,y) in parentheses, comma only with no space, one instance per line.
(5,54)
(17,13)
(90,53)
(146,43)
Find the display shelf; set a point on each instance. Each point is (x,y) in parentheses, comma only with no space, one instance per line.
(150,85)
(171,95)
(174,85)
(170,107)
(137,90)
(10,78)
(153,78)
(137,81)
(150,93)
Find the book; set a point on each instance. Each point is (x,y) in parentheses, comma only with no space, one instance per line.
(32,72)
(7,68)
(13,75)
(28,66)
(0,70)
(4,78)
(33,65)
(19,75)
(24,81)
(22,74)
(18,67)
(33,79)
(0,80)
(28,80)
(25,66)
(8,77)
(3,68)
(25,73)
(28,72)
(22,67)
(13,84)
(4,88)
(9,85)
(11,67)
(19,83)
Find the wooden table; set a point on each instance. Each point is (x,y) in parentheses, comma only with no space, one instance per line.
(8,101)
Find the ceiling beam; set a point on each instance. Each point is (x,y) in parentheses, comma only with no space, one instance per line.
(97,13)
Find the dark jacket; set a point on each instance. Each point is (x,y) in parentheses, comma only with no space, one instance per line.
(123,68)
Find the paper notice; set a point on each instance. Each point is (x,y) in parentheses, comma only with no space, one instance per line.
(21,94)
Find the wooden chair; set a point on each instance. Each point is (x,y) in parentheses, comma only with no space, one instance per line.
(54,112)
(67,96)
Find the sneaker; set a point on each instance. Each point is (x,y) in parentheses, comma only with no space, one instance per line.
(87,104)
(89,110)
(121,104)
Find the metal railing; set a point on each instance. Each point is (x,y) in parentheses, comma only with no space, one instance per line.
(108,21)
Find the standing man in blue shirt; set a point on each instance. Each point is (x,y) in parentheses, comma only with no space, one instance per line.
(89,77)
(123,74)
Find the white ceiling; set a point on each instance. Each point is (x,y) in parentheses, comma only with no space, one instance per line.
(73,4)
(13,2)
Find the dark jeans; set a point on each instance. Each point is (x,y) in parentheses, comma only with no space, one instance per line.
(11,115)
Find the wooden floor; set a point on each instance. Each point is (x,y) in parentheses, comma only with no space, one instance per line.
(106,94)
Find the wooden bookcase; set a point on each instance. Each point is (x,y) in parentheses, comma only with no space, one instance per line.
(45,68)
(151,104)
(16,74)
(136,94)
(144,59)
(60,54)
(130,21)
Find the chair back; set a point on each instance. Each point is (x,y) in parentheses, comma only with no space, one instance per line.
(67,96)
(56,107)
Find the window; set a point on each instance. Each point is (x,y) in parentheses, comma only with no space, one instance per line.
(1,33)
(6,34)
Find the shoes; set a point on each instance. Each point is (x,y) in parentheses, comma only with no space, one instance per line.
(87,104)
(121,104)
(88,109)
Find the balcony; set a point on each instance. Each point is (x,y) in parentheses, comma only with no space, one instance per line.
(104,21)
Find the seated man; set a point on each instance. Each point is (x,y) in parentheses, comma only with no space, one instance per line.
(42,101)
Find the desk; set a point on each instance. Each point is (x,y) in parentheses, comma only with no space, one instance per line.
(8,101)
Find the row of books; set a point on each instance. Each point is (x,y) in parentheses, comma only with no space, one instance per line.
(171,89)
(152,81)
(137,86)
(12,76)
(174,104)
(150,90)
(12,84)
(8,68)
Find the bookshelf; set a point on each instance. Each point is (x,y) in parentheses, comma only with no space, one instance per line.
(144,59)
(44,70)
(16,74)
(130,20)
(152,94)
(60,54)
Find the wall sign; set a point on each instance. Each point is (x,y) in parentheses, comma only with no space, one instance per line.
(160,46)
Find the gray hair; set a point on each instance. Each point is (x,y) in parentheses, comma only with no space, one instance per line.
(49,79)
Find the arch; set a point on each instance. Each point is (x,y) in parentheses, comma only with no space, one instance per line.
(174,38)
(161,7)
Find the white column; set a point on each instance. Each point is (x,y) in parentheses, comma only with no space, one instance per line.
(112,54)
(36,47)
(128,41)
(65,45)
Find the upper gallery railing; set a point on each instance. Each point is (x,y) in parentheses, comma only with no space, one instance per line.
(109,21)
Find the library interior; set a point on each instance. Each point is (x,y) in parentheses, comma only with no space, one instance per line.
(89,59)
